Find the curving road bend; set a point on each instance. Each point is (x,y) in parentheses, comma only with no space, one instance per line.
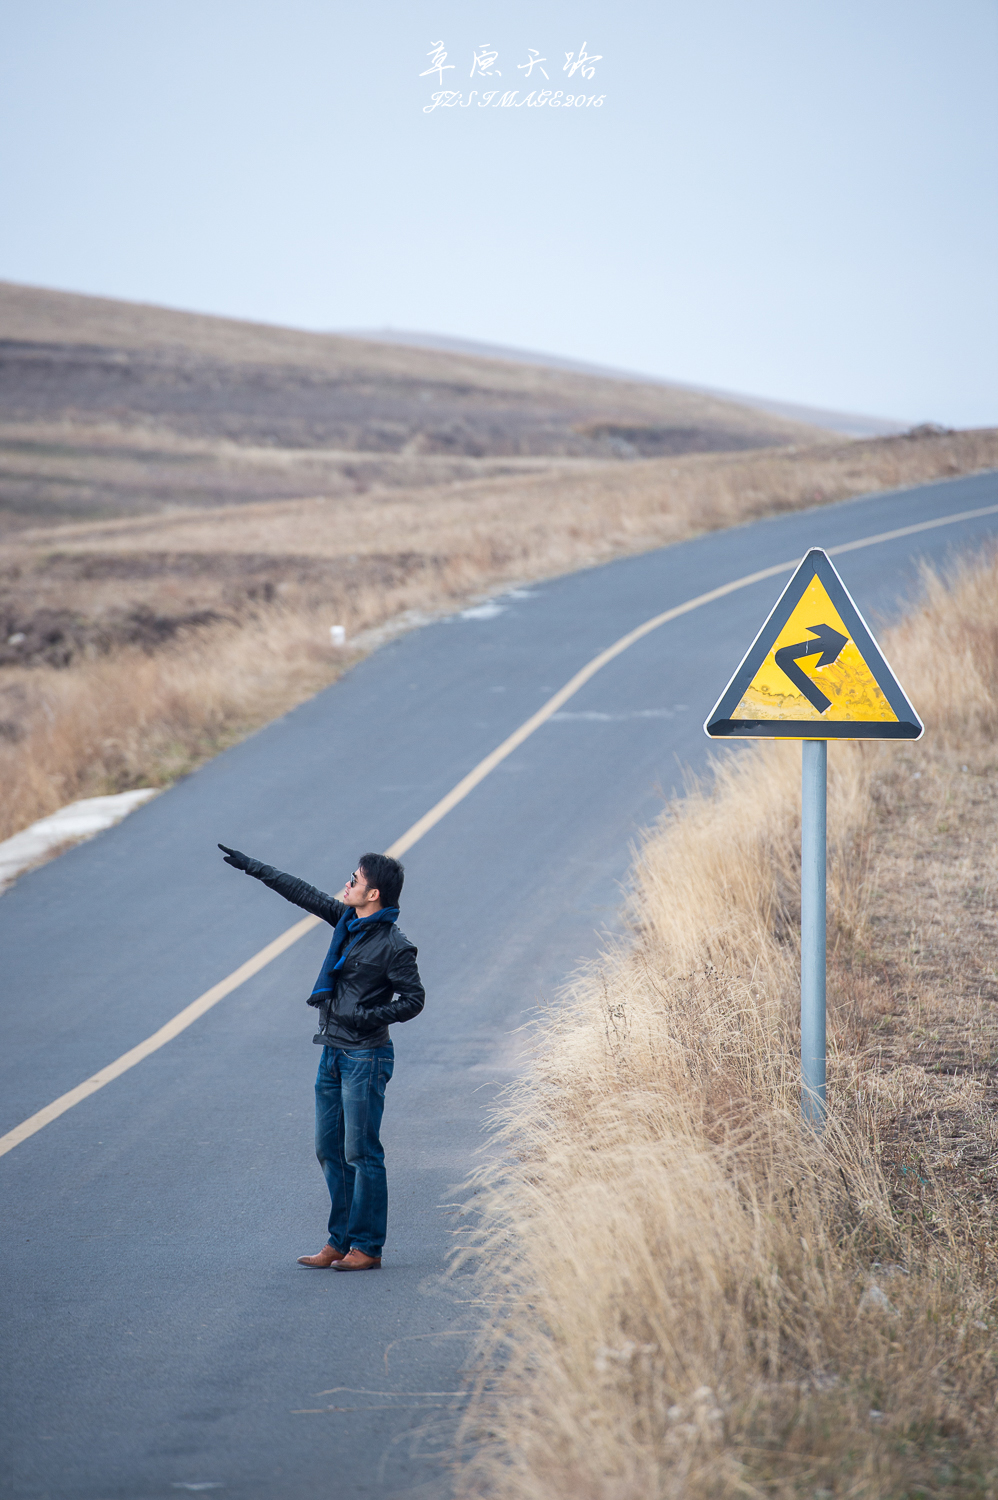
(159,1338)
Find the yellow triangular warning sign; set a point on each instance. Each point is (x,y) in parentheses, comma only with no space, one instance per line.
(814,671)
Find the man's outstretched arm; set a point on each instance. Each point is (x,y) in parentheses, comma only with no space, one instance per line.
(299,892)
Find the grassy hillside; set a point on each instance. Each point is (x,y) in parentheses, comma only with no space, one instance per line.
(111,408)
(694,1296)
(173,551)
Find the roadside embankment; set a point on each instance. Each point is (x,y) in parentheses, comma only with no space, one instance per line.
(694,1296)
(132,650)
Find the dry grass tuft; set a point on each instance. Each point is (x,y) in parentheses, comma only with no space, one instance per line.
(695,1296)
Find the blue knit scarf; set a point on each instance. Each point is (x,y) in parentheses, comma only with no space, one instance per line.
(346,935)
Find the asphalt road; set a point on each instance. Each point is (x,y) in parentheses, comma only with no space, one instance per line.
(160,1338)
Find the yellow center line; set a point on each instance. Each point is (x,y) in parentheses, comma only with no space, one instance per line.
(253,965)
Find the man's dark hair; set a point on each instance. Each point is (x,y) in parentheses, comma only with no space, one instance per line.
(383,874)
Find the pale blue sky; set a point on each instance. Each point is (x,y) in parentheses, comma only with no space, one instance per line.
(798,200)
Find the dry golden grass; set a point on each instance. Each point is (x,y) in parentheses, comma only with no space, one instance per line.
(137,719)
(533,525)
(694,1295)
(65,472)
(279,574)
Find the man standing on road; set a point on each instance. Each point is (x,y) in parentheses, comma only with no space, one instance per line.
(368,980)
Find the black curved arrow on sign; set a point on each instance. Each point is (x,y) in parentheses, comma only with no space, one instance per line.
(829,644)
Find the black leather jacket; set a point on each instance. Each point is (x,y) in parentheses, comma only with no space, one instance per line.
(377,985)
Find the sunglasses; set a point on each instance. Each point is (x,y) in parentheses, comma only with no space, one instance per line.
(354,878)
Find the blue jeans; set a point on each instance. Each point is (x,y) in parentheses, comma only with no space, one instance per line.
(349,1103)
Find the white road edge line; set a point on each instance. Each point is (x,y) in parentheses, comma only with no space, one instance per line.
(259,961)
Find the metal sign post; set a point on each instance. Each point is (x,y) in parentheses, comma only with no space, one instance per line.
(814,670)
(814,784)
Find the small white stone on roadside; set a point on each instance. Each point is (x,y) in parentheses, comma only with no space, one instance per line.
(605,1356)
(874,1297)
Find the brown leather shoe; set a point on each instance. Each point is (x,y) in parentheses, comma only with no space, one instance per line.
(358,1261)
(327,1256)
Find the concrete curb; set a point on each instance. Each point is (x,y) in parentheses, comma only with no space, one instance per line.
(71,824)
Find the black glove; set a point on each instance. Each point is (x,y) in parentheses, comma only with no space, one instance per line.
(237,860)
